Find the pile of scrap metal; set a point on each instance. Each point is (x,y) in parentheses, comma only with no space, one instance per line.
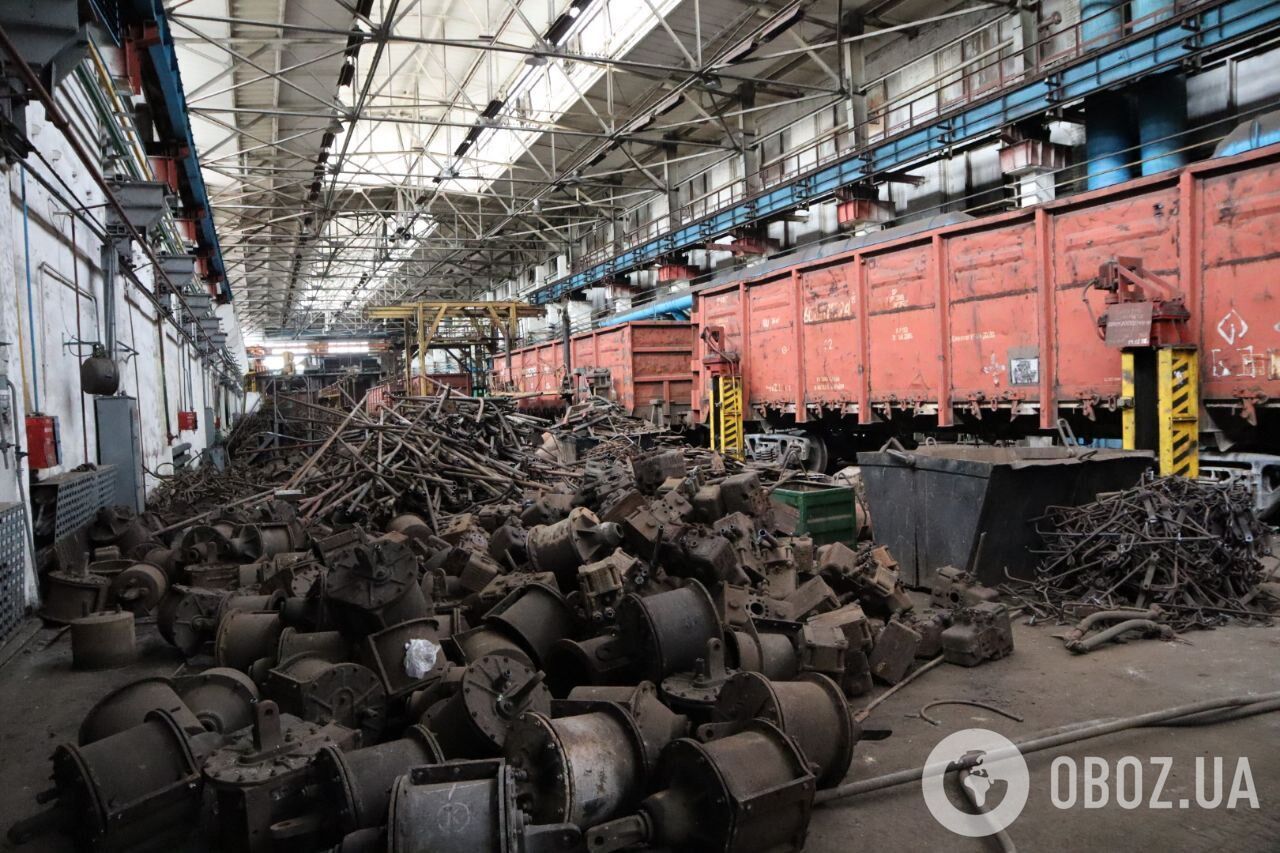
(1168,555)
(641,660)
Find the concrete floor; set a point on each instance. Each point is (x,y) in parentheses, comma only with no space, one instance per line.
(44,701)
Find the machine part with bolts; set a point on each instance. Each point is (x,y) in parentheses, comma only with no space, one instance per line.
(595,661)
(547,509)
(812,710)
(492,692)
(263,780)
(582,769)
(103,641)
(468,807)
(128,706)
(535,616)
(359,781)
(823,649)
(202,543)
(268,603)
(977,634)
(222,699)
(894,652)
(603,583)
(71,595)
(219,576)
(478,573)
(658,724)
(668,632)
(509,542)
(746,494)
(502,586)
(695,692)
(319,691)
(652,469)
(929,624)
(136,790)
(188,618)
(139,588)
(569,543)
(738,605)
(376,588)
(244,636)
(384,652)
(811,598)
(750,792)
(330,645)
(852,621)
(953,587)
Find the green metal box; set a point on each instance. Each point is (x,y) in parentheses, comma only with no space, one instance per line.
(826,513)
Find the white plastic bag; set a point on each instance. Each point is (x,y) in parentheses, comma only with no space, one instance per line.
(419,657)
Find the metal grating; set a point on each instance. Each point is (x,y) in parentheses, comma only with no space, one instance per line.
(106,485)
(13,599)
(79,498)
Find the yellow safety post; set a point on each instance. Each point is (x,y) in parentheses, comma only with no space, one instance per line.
(1178,374)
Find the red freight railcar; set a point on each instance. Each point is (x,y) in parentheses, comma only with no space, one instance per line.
(985,321)
(643,365)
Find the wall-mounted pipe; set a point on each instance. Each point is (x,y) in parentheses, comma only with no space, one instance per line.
(678,305)
(1108,128)
(1162,122)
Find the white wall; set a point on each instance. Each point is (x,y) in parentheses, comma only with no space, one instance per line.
(64,302)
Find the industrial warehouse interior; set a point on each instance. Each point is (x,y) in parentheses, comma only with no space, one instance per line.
(576,426)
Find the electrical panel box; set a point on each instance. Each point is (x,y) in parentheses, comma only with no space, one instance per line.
(44,442)
(120,444)
(187,421)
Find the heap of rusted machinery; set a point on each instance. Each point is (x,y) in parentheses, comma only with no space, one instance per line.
(648,661)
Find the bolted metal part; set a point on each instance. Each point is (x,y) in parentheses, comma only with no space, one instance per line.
(492,692)
(977,634)
(244,636)
(138,789)
(668,632)
(103,641)
(377,587)
(569,543)
(750,792)
(582,769)
(359,782)
(264,777)
(894,652)
(466,807)
(222,699)
(812,710)
(330,645)
(188,617)
(696,692)
(139,588)
(129,705)
(219,576)
(319,691)
(474,643)
(69,595)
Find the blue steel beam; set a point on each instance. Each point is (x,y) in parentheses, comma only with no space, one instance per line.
(164,59)
(1141,54)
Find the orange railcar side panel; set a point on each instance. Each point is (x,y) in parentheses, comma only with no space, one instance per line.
(647,361)
(999,312)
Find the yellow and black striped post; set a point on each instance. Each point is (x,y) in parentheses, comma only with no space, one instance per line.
(1178,374)
(726,416)
(1128,393)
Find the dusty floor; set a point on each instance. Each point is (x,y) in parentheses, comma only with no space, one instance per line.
(45,700)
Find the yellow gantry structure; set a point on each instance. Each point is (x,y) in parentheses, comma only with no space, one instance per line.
(477,322)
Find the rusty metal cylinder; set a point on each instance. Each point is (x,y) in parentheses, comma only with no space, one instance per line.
(137,789)
(772,655)
(330,645)
(69,596)
(584,769)
(598,660)
(244,636)
(534,615)
(320,691)
(812,710)
(361,779)
(128,706)
(103,641)
(668,632)
(139,588)
(751,792)
(221,698)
